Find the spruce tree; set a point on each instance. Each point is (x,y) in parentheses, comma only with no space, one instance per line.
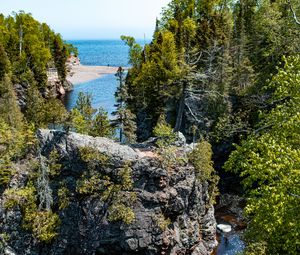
(101,125)
(84,106)
(9,109)
(60,57)
(124,118)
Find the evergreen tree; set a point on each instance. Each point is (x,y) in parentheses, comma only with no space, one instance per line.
(35,107)
(4,62)
(9,108)
(101,125)
(84,106)
(60,57)
(124,119)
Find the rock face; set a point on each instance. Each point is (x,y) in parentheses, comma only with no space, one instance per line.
(55,88)
(176,197)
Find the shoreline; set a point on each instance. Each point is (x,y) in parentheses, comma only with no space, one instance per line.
(81,73)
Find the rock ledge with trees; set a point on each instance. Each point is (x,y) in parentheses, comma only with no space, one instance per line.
(152,210)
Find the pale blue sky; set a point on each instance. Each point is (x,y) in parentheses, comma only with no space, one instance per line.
(92,19)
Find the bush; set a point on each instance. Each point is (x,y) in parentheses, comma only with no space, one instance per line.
(63,197)
(164,132)
(42,224)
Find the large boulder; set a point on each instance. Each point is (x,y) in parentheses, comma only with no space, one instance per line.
(173,214)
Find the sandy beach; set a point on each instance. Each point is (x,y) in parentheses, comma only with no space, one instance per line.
(81,73)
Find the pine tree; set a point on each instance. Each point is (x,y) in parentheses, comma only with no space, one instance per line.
(9,109)
(4,62)
(84,106)
(101,125)
(60,57)
(35,107)
(125,120)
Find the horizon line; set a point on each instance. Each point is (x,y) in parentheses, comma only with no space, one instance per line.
(103,38)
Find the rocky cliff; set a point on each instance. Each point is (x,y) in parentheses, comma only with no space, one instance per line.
(172,210)
(55,88)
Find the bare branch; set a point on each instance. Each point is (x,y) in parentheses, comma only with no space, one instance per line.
(294,195)
(194,116)
(207,92)
(293,12)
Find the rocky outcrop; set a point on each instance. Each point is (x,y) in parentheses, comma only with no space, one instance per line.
(173,214)
(55,87)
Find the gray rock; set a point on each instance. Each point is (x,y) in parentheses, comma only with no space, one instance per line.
(225,228)
(180,140)
(176,196)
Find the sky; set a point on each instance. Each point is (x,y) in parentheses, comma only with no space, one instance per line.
(92,19)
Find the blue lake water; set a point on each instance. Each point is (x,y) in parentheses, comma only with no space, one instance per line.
(102,91)
(100,53)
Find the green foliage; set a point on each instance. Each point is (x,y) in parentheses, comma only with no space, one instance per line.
(71,49)
(14,144)
(116,190)
(93,158)
(84,119)
(121,212)
(63,197)
(135,50)
(268,162)
(122,196)
(43,224)
(6,171)
(84,106)
(124,118)
(170,157)
(162,222)
(9,109)
(91,184)
(101,125)
(61,54)
(201,158)
(31,47)
(19,197)
(164,132)
(77,122)
(39,110)
(4,62)
(53,162)
(4,237)
(256,249)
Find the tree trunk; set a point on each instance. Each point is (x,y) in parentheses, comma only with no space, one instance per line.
(180,109)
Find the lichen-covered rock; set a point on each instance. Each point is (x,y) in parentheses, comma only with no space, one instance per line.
(172,209)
